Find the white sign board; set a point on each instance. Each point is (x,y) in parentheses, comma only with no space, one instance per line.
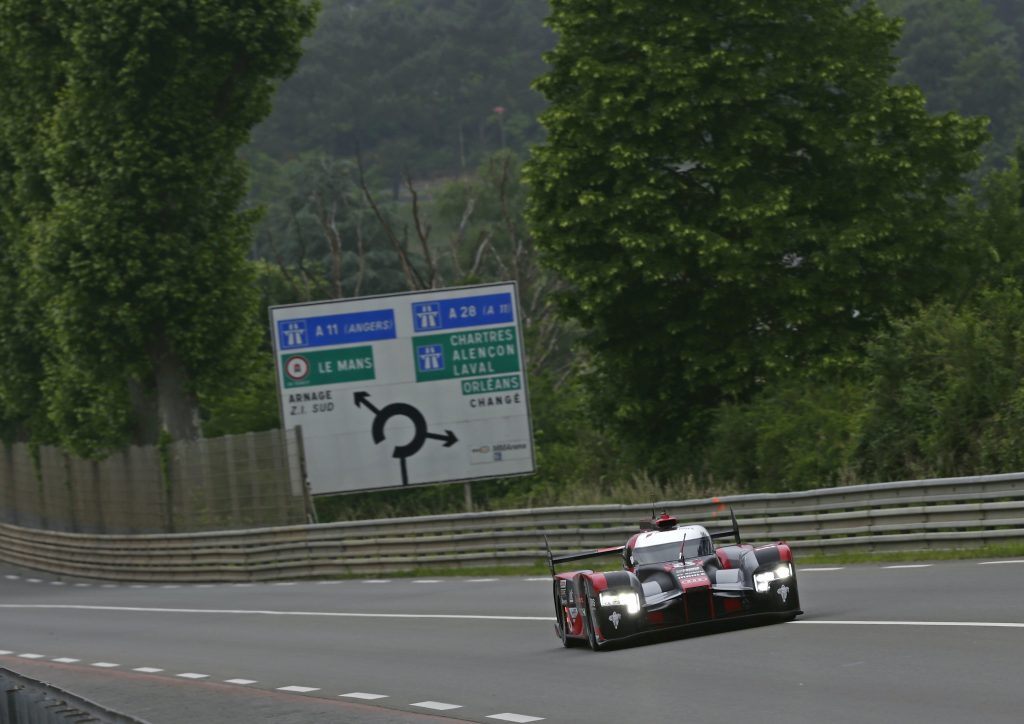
(406,389)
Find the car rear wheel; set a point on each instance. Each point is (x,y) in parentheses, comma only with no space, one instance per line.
(560,625)
(590,615)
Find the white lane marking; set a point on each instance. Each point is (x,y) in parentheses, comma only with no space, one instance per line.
(454,616)
(57,583)
(364,695)
(285,583)
(427,580)
(240,682)
(104,664)
(66,660)
(257,612)
(436,705)
(911,565)
(12,577)
(965,624)
(171,585)
(33,580)
(83,585)
(508,716)
(328,583)
(32,656)
(5,653)
(242,585)
(204,585)
(378,580)
(812,570)
(190,675)
(109,585)
(546,580)
(481,580)
(1000,563)
(139,585)
(298,689)
(148,670)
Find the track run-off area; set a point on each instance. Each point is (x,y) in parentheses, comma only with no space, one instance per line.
(929,642)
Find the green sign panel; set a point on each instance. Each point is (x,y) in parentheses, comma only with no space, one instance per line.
(484,385)
(475,353)
(326,367)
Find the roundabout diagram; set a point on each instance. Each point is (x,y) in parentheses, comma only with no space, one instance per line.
(420,435)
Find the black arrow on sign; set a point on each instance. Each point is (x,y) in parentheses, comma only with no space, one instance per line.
(363,400)
(448,437)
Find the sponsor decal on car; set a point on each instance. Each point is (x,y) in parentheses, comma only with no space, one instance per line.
(783,593)
(615,617)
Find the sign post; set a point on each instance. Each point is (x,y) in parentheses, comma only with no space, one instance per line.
(406,389)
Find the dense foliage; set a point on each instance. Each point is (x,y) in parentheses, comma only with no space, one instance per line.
(966,56)
(737,191)
(428,86)
(119,125)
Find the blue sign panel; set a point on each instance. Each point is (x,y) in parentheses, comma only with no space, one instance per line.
(336,329)
(462,312)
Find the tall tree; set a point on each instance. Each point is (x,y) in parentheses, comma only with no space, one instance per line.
(734,189)
(137,259)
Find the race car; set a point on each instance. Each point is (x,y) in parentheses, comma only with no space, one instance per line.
(672,576)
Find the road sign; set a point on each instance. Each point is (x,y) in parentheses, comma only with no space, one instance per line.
(406,389)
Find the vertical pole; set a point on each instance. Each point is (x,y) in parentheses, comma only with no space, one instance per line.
(229,458)
(467,491)
(97,495)
(307,496)
(69,483)
(12,705)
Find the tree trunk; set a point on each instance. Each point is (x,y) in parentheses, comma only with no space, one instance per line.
(177,406)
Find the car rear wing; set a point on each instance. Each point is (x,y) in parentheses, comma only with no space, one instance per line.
(566,557)
(733,532)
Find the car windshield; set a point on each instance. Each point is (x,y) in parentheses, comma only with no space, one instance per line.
(669,552)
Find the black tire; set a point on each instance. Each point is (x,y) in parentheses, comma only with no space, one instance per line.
(590,614)
(560,622)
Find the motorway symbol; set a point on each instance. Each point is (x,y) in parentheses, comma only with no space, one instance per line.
(419,423)
(297,368)
(430,358)
(426,316)
(293,333)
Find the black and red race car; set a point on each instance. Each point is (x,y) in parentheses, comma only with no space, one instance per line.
(672,576)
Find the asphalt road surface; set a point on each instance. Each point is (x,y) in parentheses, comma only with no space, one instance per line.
(934,643)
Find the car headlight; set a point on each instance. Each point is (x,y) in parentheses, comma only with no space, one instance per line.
(780,572)
(629,599)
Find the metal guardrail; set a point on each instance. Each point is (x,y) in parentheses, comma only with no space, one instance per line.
(27,701)
(910,515)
